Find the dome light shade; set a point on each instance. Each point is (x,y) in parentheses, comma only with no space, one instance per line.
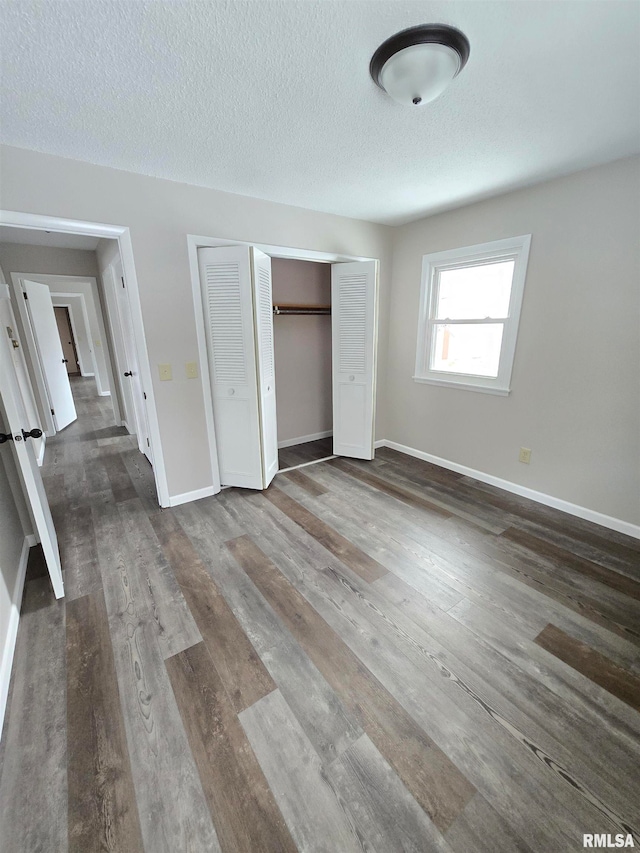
(416,65)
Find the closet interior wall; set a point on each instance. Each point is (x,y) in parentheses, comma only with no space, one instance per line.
(302,347)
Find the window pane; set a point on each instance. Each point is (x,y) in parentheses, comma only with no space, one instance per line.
(473,293)
(467,348)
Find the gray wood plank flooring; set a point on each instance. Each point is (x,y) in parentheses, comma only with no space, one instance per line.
(370,656)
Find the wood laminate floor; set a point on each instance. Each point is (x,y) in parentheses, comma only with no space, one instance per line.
(381,656)
(309,451)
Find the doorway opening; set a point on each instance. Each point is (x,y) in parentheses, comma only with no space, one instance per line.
(301,293)
(67,339)
(84,412)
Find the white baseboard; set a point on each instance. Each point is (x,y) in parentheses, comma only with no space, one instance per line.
(31,539)
(290,442)
(86,374)
(185,497)
(587,514)
(12,629)
(104,393)
(40,458)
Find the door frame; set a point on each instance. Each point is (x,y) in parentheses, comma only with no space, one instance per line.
(122,234)
(68,307)
(72,322)
(195,242)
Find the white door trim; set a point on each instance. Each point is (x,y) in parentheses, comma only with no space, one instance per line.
(195,242)
(123,236)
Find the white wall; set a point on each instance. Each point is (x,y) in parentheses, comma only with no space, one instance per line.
(575,397)
(160,214)
(302,347)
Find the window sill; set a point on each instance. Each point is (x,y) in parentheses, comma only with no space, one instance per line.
(465,386)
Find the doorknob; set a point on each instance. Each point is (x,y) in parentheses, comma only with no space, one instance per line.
(6,436)
(33,433)
(65,360)
(128,373)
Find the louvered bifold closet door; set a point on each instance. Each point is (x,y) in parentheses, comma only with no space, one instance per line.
(353,329)
(263,301)
(225,276)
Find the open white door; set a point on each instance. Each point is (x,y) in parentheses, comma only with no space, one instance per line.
(240,354)
(132,373)
(353,329)
(15,417)
(111,285)
(263,300)
(47,338)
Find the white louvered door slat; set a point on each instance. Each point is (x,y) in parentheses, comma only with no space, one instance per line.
(266,364)
(226,281)
(353,313)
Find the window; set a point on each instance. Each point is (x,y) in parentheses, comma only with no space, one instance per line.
(469,311)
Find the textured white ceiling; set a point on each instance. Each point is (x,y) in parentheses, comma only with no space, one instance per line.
(34,237)
(274,100)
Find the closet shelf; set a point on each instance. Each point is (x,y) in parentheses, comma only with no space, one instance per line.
(302,309)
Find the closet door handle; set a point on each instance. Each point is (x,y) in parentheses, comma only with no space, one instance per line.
(128,373)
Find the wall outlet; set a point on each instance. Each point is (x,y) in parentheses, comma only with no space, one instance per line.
(165,372)
(525,455)
(191,370)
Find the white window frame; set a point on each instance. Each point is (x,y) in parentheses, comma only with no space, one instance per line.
(513,248)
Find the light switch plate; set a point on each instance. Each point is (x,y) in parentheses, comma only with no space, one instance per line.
(191,369)
(165,372)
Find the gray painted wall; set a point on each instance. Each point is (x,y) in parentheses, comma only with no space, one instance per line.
(575,397)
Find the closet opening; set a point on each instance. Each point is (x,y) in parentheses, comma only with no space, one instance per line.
(301,292)
(243,293)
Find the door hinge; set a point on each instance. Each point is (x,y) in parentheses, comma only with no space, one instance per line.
(24,294)
(122,280)
(52,412)
(148,445)
(144,395)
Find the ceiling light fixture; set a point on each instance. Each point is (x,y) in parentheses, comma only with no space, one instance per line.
(416,65)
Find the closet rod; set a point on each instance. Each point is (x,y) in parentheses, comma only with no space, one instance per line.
(302,309)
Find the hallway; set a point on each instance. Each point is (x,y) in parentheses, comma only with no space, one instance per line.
(379,656)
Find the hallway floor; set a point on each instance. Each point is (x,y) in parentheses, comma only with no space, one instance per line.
(380,656)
